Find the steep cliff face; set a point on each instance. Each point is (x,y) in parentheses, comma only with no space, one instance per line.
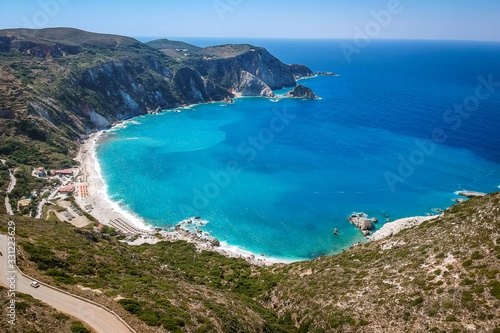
(67,82)
(242,69)
(227,71)
(301,71)
(250,85)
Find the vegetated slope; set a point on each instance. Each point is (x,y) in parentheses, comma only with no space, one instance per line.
(155,288)
(442,276)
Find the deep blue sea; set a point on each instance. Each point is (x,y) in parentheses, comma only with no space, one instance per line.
(276,177)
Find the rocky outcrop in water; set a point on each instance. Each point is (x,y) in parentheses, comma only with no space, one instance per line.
(362,222)
(326,73)
(301,92)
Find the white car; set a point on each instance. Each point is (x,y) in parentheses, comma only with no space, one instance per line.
(35,284)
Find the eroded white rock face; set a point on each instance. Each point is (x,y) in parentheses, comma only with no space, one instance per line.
(393,228)
(250,85)
(98,120)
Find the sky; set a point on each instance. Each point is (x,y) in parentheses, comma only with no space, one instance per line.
(384,19)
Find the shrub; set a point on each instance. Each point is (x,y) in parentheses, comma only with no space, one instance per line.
(131,306)
(417,301)
(495,289)
(467,263)
(77,327)
(451,318)
(60,276)
(448,304)
(476,255)
(21,306)
(150,318)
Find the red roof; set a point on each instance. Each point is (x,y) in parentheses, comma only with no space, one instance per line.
(68,188)
(64,172)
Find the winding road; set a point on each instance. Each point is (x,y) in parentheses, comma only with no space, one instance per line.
(12,183)
(94,316)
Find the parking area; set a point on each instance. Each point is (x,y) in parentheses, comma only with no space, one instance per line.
(72,214)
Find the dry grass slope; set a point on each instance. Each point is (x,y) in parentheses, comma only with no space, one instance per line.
(442,276)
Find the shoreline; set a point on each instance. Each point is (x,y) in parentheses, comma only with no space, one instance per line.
(108,212)
(111,214)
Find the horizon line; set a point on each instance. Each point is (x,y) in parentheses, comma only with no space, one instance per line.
(254,37)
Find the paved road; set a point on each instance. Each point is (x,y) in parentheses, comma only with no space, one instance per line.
(7,206)
(39,209)
(12,183)
(95,317)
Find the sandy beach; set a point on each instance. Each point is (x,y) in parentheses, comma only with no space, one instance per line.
(109,213)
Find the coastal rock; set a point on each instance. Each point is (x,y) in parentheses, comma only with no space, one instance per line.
(215,242)
(471,194)
(361,222)
(301,92)
(300,71)
(326,73)
(393,228)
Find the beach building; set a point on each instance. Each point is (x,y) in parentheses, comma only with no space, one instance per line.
(67,189)
(65,172)
(99,228)
(41,172)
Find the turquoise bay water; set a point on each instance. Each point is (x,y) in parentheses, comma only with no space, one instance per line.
(276,177)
